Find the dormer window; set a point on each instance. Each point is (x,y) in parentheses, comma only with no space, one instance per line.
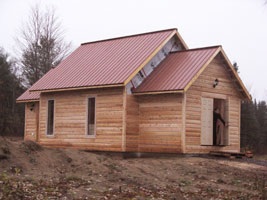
(140,77)
(153,65)
(141,74)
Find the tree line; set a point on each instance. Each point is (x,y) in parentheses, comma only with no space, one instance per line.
(42,46)
(11,114)
(254,126)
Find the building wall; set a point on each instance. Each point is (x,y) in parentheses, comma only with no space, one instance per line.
(203,87)
(145,123)
(31,121)
(70,119)
(160,123)
(132,123)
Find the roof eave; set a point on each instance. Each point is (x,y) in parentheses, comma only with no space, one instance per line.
(27,101)
(159,92)
(247,95)
(220,50)
(77,88)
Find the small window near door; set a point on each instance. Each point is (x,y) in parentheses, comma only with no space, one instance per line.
(91,116)
(50,117)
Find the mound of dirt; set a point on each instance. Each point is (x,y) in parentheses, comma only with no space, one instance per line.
(30,146)
(4,149)
(36,172)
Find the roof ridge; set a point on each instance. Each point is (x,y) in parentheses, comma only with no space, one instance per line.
(126,36)
(199,48)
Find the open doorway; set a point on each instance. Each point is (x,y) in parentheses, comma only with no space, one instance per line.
(214,130)
(220,122)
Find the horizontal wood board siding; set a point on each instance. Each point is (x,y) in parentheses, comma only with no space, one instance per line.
(71,118)
(132,123)
(31,121)
(204,85)
(160,123)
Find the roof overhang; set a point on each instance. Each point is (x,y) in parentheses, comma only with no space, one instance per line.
(232,70)
(185,89)
(27,101)
(77,88)
(160,92)
(244,89)
(173,33)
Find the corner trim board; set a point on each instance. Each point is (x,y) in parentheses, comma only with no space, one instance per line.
(124,118)
(184,124)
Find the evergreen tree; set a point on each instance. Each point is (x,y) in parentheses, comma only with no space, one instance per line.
(254,126)
(261,114)
(249,126)
(11,114)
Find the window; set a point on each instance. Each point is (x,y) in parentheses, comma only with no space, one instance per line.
(91,116)
(140,76)
(137,80)
(50,117)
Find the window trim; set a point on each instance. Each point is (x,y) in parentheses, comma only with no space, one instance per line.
(53,118)
(86,125)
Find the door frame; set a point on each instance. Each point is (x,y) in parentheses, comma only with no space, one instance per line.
(227,114)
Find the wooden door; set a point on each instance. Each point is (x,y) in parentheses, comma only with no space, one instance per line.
(207,121)
(226,119)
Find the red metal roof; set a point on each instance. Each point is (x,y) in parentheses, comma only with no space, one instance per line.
(105,62)
(27,96)
(177,70)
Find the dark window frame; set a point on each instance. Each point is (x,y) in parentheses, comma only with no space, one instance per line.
(50,126)
(88,134)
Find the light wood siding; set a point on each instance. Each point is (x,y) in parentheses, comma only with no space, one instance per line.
(203,87)
(71,118)
(31,121)
(132,123)
(207,121)
(160,123)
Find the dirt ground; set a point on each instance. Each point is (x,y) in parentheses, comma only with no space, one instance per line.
(29,171)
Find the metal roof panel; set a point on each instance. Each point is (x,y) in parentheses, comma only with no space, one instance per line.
(176,71)
(105,62)
(27,96)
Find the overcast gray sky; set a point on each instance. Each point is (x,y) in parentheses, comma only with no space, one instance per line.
(240,26)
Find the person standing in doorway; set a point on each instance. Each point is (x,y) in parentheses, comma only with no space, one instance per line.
(217,116)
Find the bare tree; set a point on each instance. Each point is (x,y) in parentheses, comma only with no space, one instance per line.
(41,44)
